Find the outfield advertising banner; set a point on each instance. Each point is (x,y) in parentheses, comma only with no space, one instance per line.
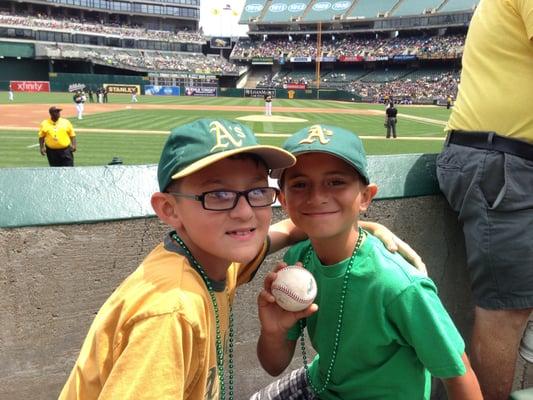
(30,86)
(294,86)
(259,92)
(300,59)
(121,89)
(262,60)
(327,59)
(404,57)
(156,90)
(201,91)
(351,58)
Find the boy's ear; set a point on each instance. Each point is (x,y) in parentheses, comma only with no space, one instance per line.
(282,201)
(166,209)
(367,194)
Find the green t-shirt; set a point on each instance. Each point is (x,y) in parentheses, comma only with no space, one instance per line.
(395,331)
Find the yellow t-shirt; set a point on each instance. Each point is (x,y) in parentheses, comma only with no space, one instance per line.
(497,76)
(56,134)
(154,338)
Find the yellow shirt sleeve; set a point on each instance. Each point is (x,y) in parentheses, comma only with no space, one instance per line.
(70,129)
(42,131)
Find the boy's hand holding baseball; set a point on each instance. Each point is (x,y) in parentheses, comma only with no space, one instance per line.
(274,319)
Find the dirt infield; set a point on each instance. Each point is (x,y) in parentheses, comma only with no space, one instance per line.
(29,116)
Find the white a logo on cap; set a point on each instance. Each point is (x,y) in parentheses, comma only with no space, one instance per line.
(316,132)
(225,137)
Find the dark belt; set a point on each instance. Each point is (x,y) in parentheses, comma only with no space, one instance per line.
(491,141)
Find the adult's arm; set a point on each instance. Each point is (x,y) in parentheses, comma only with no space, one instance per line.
(42,146)
(285,233)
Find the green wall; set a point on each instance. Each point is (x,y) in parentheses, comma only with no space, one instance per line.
(59,81)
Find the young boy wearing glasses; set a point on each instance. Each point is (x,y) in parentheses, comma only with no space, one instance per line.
(167,330)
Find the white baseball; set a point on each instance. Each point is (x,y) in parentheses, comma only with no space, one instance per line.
(294,288)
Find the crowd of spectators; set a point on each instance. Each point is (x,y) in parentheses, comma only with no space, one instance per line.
(450,46)
(143,60)
(422,89)
(421,86)
(281,80)
(107,28)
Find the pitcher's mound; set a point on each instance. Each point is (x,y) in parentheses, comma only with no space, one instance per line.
(270,118)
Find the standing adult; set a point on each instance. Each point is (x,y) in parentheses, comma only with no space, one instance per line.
(268,104)
(486,172)
(57,139)
(448,102)
(90,94)
(390,120)
(105,91)
(79,100)
(10,93)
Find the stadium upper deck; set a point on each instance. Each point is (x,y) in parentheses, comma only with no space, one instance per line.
(269,12)
(169,15)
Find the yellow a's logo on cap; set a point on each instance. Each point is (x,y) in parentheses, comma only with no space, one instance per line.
(224,137)
(316,132)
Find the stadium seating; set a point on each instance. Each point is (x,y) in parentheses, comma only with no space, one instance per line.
(79,25)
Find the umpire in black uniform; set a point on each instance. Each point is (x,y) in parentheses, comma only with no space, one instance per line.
(390,120)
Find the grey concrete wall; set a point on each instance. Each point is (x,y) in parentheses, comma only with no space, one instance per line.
(53,279)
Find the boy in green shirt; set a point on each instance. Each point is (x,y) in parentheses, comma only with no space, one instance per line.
(380,329)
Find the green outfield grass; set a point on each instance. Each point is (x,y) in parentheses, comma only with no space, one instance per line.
(98,147)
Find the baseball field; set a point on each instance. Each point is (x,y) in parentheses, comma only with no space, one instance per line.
(135,132)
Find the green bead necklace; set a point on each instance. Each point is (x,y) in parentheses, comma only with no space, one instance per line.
(339,321)
(218,341)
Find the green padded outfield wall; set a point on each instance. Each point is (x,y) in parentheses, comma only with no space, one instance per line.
(12,69)
(60,81)
(29,196)
(310,94)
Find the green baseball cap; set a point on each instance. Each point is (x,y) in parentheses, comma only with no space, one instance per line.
(198,144)
(328,139)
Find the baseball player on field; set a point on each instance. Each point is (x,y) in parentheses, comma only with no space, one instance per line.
(79,99)
(380,330)
(134,95)
(268,104)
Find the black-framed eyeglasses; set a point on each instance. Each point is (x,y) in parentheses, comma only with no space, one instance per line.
(223,200)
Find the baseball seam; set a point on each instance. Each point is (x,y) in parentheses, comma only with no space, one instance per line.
(290,293)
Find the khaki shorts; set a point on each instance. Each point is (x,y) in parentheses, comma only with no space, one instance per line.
(493,194)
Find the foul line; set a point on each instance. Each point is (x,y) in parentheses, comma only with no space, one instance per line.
(269,135)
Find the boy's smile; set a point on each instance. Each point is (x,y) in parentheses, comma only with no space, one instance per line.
(324,195)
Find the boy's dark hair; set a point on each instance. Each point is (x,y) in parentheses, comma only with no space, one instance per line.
(281,181)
